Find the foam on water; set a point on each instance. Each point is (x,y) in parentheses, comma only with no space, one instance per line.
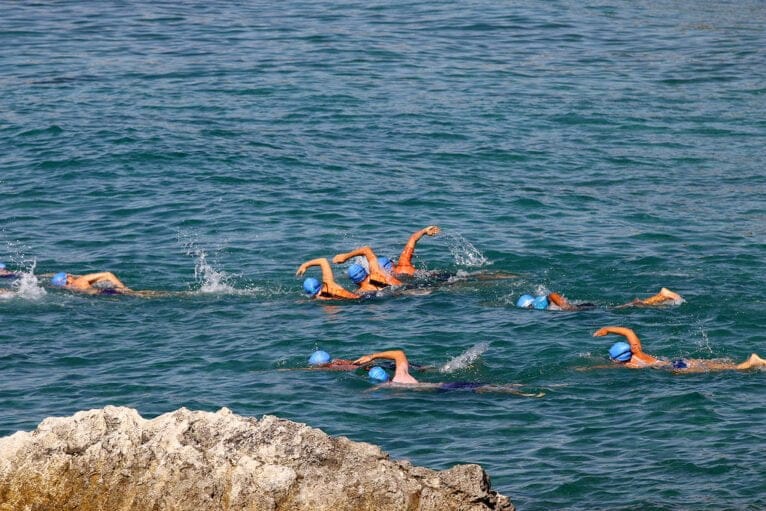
(465,359)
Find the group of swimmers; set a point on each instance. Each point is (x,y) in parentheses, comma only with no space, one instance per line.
(380,273)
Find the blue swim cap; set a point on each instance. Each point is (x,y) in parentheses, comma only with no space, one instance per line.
(357,273)
(59,279)
(386,264)
(319,357)
(2,266)
(620,351)
(525,301)
(540,303)
(378,375)
(312,286)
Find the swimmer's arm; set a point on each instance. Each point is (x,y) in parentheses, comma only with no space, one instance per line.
(328,280)
(397,356)
(560,301)
(308,264)
(630,336)
(323,264)
(361,251)
(378,273)
(105,276)
(404,264)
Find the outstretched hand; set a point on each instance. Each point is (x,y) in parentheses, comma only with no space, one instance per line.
(339,258)
(601,332)
(363,360)
(301,270)
(432,230)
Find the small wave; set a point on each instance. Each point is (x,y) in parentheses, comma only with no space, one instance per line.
(465,359)
(464,253)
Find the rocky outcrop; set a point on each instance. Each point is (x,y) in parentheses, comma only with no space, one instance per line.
(113,459)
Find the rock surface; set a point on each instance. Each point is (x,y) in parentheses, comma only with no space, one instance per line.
(113,459)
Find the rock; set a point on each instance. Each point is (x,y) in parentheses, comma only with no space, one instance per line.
(113,459)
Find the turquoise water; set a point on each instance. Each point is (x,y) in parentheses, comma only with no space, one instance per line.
(602,150)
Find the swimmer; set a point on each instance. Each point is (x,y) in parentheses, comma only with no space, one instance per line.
(630,354)
(5,273)
(102,283)
(320,359)
(402,376)
(404,264)
(402,267)
(664,297)
(328,289)
(552,301)
(555,301)
(374,280)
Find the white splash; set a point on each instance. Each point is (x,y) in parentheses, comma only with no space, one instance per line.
(27,286)
(704,342)
(210,279)
(464,253)
(465,359)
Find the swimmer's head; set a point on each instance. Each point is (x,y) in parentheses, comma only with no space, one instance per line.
(59,279)
(378,374)
(620,351)
(540,303)
(525,301)
(312,286)
(386,264)
(319,358)
(357,273)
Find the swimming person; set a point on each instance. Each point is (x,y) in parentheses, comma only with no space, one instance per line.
(328,289)
(631,354)
(402,376)
(320,359)
(556,301)
(5,273)
(101,283)
(373,280)
(404,264)
(664,297)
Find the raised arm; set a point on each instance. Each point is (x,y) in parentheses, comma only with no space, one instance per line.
(404,264)
(402,374)
(365,251)
(323,263)
(630,336)
(331,287)
(377,273)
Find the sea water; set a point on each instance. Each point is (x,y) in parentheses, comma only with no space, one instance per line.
(602,150)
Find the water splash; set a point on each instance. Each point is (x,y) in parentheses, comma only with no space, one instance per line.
(210,279)
(465,359)
(464,253)
(27,286)
(703,344)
